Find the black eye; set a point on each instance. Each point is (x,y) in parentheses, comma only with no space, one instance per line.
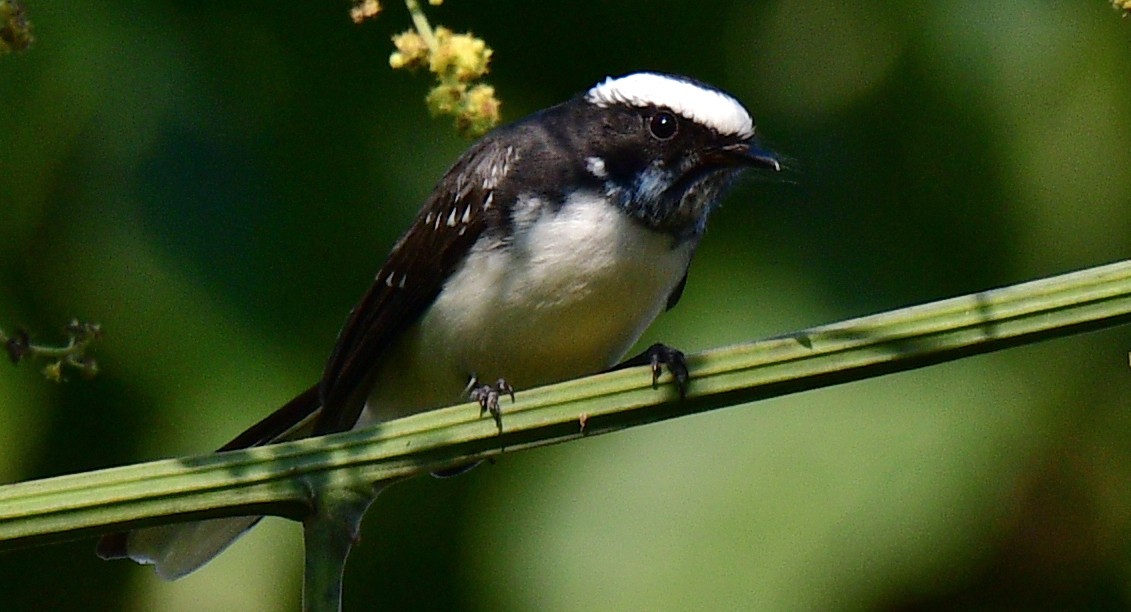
(663,125)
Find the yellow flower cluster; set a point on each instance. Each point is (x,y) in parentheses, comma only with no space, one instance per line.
(457,60)
(364,9)
(475,107)
(412,51)
(462,57)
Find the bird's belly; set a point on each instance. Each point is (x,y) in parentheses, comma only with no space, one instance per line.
(568,297)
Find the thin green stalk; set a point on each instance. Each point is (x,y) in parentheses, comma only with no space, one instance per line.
(329,533)
(72,355)
(278,479)
(420,22)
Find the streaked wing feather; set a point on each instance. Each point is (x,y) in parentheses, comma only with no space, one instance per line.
(449,223)
(276,425)
(418,266)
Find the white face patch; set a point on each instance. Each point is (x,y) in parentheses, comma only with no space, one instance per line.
(596,167)
(703,105)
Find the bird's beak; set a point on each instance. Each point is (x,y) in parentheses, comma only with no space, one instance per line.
(762,158)
(748,153)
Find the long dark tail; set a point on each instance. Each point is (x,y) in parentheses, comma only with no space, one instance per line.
(179,549)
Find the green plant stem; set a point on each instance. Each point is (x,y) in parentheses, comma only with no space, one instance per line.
(49,352)
(329,534)
(277,479)
(72,355)
(420,22)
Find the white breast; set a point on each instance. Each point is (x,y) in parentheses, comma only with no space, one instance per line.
(568,297)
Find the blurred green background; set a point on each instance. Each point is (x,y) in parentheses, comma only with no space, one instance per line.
(217,184)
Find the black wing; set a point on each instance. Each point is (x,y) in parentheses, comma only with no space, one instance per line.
(455,215)
(458,211)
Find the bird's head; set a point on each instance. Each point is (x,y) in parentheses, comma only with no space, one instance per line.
(665,147)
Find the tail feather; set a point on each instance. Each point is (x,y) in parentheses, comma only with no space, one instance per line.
(179,549)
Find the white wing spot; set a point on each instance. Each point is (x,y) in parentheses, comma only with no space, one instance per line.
(427,218)
(466,215)
(596,167)
(404,277)
(700,103)
(389,279)
(452,218)
(487,202)
(493,166)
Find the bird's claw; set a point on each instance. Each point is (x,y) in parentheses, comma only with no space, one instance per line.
(488,398)
(657,356)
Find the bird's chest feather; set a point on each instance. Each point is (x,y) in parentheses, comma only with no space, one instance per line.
(567,296)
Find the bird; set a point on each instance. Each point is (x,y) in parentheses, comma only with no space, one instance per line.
(541,255)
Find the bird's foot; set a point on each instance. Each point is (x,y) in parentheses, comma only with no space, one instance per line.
(657,356)
(488,398)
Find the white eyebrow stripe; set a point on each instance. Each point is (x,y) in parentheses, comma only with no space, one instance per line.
(704,105)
